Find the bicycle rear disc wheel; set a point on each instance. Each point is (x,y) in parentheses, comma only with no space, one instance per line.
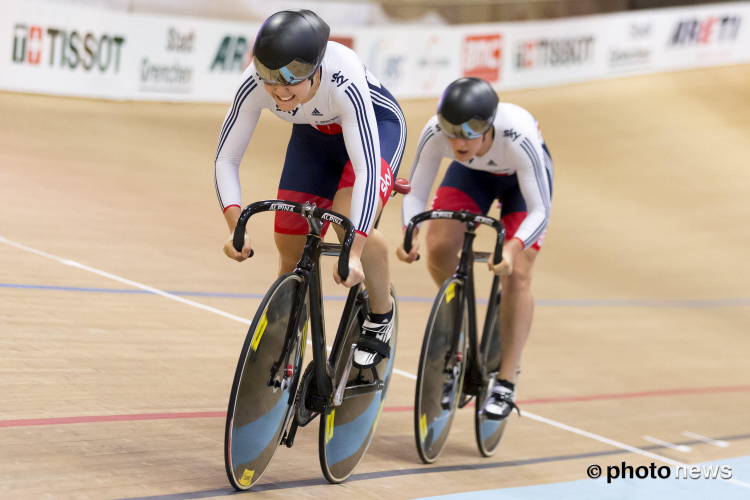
(489,432)
(433,418)
(259,414)
(347,430)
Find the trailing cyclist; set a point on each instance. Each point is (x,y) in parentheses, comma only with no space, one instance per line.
(498,154)
(346,146)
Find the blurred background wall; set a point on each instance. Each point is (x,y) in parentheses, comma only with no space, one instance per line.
(373,13)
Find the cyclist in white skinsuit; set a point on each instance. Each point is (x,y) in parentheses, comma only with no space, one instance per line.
(498,154)
(345,149)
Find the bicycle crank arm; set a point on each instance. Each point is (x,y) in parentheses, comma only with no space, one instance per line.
(338,396)
(354,391)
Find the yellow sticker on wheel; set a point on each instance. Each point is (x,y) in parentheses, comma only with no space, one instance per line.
(450,293)
(329,425)
(247,478)
(259,332)
(423,427)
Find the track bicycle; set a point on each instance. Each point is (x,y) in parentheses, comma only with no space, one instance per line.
(271,396)
(453,367)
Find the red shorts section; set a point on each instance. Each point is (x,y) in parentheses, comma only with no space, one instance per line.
(450,198)
(291,223)
(513,221)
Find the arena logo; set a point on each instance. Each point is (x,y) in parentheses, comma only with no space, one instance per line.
(706,31)
(554,52)
(233,54)
(66,48)
(169,77)
(627,57)
(388,61)
(483,57)
(180,42)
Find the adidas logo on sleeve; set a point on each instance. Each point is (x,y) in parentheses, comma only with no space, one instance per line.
(316,112)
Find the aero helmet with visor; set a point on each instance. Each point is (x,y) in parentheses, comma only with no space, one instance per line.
(467,108)
(290,46)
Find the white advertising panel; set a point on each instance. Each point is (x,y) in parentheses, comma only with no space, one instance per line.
(78,51)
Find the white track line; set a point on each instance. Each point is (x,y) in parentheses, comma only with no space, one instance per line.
(620,445)
(719,443)
(126,281)
(676,447)
(553,423)
(151,289)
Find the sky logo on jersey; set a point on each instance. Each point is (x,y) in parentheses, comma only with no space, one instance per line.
(554,53)
(711,30)
(282,207)
(332,218)
(483,57)
(512,134)
(233,54)
(64,48)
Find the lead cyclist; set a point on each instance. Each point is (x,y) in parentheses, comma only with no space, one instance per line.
(346,146)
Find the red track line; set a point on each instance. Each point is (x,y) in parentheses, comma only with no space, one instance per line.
(216,414)
(108,418)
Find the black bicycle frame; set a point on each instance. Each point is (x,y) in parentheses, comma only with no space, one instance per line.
(477,371)
(308,269)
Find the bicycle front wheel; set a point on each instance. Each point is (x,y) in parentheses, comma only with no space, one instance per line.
(347,430)
(438,388)
(258,413)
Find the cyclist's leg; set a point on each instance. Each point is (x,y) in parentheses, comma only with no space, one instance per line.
(392,135)
(312,169)
(375,254)
(462,189)
(517,305)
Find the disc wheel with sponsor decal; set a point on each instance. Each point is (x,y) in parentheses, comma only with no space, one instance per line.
(440,378)
(259,413)
(347,430)
(489,432)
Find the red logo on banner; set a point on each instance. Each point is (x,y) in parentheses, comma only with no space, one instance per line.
(483,57)
(346,41)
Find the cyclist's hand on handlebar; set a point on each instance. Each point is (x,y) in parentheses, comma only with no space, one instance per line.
(510,250)
(414,254)
(356,273)
(234,254)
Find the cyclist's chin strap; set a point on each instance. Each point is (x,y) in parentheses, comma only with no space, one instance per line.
(374,345)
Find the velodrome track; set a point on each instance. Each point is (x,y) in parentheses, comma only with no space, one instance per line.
(121,320)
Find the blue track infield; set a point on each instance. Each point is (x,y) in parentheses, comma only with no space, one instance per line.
(627,489)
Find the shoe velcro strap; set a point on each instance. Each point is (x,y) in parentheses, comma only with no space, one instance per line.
(374,345)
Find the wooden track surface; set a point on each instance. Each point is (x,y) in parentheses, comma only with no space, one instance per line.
(642,288)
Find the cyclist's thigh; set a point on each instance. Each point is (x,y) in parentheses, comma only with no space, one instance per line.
(462,188)
(513,211)
(312,171)
(342,203)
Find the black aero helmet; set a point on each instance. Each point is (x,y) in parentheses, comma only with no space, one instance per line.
(289,46)
(467,108)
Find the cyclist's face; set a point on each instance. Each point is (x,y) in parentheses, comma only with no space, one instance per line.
(465,149)
(288,97)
